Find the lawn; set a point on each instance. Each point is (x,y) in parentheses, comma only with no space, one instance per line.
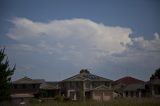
(117,102)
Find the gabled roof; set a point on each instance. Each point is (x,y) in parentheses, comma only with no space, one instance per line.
(49,85)
(102,87)
(128,80)
(86,76)
(26,80)
(134,87)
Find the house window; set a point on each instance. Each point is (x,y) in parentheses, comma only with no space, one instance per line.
(71,85)
(87,84)
(23,86)
(107,83)
(33,86)
(15,86)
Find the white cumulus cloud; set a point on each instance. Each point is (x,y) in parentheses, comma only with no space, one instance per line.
(81,41)
(79,38)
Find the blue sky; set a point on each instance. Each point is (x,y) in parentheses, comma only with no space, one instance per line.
(54,39)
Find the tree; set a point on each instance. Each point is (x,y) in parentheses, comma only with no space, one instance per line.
(84,71)
(5,76)
(156,75)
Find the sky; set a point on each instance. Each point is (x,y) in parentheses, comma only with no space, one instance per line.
(55,39)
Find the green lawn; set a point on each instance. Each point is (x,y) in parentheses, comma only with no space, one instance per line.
(117,102)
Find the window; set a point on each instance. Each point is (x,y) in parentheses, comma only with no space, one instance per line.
(106,84)
(33,86)
(15,86)
(71,85)
(23,86)
(87,84)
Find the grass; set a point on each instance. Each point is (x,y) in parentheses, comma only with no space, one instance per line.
(117,102)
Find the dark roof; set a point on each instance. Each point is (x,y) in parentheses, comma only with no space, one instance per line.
(26,80)
(128,80)
(86,76)
(49,85)
(134,87)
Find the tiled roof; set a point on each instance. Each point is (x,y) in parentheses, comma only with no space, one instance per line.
(128,80)
(26,80)
(86,76)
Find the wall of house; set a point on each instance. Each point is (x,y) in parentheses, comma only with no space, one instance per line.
(49,93)
(98,83)
(25,88)
(76,85)
(155,90)
(81,86)
(102,95)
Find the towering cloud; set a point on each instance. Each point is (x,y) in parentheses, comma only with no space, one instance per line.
(83,42)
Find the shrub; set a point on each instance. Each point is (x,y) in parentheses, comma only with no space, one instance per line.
(59,98)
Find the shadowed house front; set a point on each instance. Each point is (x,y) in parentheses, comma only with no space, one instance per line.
(49,89)
(154,85)
(26,88)
(135,90)
(84,86)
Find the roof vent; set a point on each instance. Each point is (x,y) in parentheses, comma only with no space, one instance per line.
(84,71)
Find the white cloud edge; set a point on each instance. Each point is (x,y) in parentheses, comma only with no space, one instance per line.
(102,39)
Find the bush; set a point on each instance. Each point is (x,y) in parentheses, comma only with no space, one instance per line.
(67,99)
(62,99)
(59,98)
(33,100)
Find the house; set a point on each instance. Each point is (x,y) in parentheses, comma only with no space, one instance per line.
(84,85)
(102,93)
(128,80)
(25,89)
(134,90)
(154,87)
(49,89)
(130,87)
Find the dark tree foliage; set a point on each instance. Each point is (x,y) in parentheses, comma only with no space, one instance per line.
(84,71)
(156,75)
(5,76)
